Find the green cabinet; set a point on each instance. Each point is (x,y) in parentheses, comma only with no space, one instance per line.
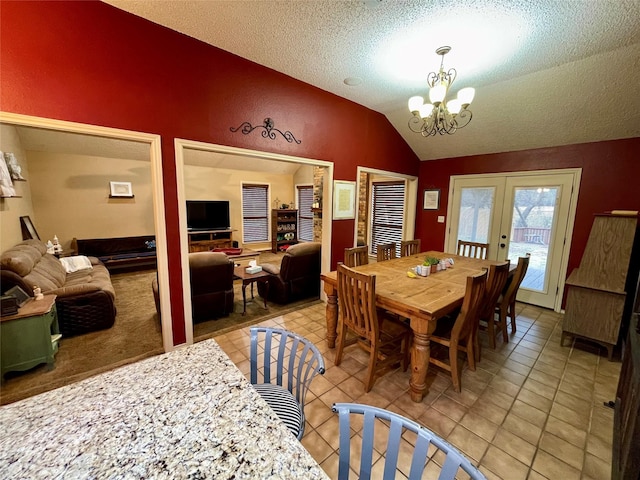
(29,337)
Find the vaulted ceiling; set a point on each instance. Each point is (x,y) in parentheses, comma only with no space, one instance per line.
(546,72)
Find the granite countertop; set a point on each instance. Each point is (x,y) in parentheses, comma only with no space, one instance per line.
(189,413)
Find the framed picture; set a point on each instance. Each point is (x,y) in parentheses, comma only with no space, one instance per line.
(28,229)
(431,199)
(121,189)
(6,184)
(344,200)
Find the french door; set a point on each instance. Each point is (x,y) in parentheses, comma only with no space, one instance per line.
(518,214)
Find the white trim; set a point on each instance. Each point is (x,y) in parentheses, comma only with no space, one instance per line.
(327,188)
(155,157)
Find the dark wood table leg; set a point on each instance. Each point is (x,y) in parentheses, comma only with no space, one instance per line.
(266,292)
(244,298)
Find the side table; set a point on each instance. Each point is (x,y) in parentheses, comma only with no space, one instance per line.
(30,337)
(250,279)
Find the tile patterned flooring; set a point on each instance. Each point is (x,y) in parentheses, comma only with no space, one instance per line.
(531,410)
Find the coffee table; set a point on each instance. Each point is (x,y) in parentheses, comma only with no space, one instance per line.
(250,279)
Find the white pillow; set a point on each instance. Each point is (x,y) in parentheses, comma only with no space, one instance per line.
(74,264)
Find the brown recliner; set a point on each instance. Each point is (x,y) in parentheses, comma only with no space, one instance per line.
(297,277)
(211,276)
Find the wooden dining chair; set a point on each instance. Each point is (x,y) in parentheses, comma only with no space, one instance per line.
(409,247)
(389,433)
(458,336)
(386,340)
(473,249)
(496,282)
(386,251)
(356,256)
(506,304)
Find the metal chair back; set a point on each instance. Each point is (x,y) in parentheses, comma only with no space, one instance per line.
(422,452)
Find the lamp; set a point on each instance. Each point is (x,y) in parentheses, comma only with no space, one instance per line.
(441,116)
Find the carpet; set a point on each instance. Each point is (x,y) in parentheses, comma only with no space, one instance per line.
(135,335)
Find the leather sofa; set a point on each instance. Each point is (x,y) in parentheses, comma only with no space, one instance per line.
(85,299)
(297,277)
(211,275)
(121,254)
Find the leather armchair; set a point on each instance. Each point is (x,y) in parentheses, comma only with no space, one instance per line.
(211,276)
(297,277)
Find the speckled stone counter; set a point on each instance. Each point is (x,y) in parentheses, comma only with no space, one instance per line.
(185,414)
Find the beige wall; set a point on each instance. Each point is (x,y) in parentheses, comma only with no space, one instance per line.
(70,196)
(11,209)
(206,183)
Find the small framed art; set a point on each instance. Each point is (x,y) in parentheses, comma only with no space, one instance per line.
(121,189)
(431,199)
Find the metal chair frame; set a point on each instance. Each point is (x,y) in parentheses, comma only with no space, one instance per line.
(292,364)
(397,424)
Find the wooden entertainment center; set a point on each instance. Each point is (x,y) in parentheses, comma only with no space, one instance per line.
(205,240)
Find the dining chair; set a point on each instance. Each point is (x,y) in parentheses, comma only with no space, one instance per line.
(409,247)
(386,251)
(356,256)
(459,334)
(283,364)
(385,338)
(506,303)
(473,249)
(496,282)
(412,451)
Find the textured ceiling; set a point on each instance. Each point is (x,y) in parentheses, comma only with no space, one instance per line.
(546,72)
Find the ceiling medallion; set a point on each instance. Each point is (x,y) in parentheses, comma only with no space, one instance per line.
(441,116)
(268,131)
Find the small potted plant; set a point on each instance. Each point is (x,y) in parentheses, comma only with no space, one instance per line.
(433,262)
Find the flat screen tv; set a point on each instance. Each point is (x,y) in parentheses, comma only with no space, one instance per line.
(208,215)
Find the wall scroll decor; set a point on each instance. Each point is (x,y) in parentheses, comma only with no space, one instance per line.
(431,199)
(121,189)
(268,132)
(344,200)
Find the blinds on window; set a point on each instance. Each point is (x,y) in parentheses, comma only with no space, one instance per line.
(305,215)
(387,215)
(255,213)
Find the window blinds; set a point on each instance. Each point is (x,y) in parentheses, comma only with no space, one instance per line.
(305,215)
(387,215)
(255,213)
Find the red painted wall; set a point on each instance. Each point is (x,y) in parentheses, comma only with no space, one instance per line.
(610,181)
(91,63)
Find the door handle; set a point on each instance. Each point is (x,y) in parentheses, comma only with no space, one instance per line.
(503,237)
(502,245)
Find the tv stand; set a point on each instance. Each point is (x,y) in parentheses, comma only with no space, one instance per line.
(205,240)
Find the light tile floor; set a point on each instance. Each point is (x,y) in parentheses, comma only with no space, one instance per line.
(531,410)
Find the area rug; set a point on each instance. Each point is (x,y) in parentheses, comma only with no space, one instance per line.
(135,335)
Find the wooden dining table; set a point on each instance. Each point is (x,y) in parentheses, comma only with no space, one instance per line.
(423,300)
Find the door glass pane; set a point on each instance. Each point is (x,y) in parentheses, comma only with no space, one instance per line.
(531,231)
(476,205)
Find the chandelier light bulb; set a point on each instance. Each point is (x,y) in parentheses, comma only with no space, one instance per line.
(415,103)
(425,110)
(454,106)
(466,95)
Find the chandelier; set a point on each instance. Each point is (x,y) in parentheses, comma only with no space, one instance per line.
(441,116)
